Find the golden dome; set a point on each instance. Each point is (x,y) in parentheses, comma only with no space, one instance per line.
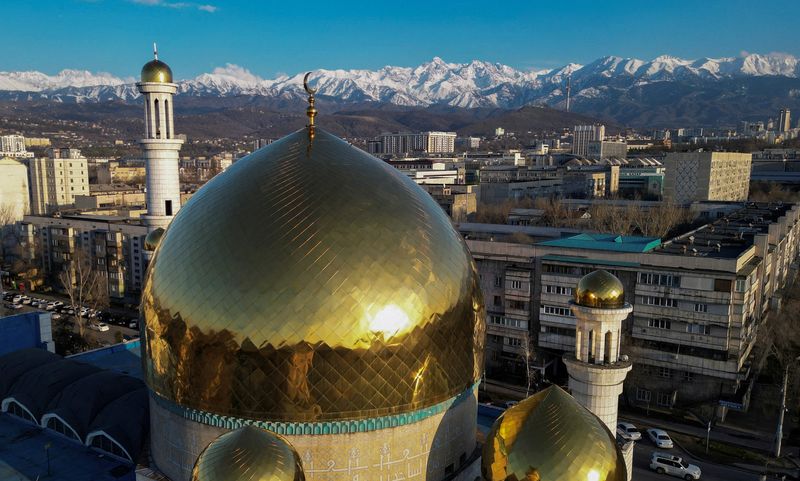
(156,71)
(550,437)
(248,454)
(600,289)
(153,238)
(311,281)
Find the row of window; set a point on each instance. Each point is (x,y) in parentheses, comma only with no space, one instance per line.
(556,311)
(662,399)
(505,321)
(691,327)
(659,279)
(561,331)
(659,301)
(566,291)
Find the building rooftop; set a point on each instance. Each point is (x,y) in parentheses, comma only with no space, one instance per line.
(125,358)
(729,236)
(606,242)
(23,456)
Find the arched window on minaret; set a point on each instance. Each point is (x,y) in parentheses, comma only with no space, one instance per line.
(158,119)
(147,133)
(591,347)
(166,119)
(607,355)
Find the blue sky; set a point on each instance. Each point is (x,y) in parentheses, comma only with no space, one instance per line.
(269,38)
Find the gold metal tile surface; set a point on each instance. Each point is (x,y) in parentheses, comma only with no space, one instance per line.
(156,71)
(248,454)
(602,289)
(550,437)
(310,282)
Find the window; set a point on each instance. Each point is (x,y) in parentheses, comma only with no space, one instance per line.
(722,285)
(659,301)
(516,284)
(495,339)
(512,341)
(665,372)
(517,305)
(505,321)
(696,328)
(688,376)
(700,307)
(567,291)
(556,311)
(498,281)
(642,395)
(659,323)
(559,331)
(664,400)
(659,279)
(498,301)
(741,285)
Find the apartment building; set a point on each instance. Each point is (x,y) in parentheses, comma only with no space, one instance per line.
(702,176)
(112,245)
(698,300)
(14,192)
(14,146)
(407,142)
(56,179)
(606,149)
(583,134)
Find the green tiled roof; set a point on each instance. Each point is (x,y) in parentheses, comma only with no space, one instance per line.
(606,242)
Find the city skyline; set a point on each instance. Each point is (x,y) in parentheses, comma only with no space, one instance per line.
(271,39)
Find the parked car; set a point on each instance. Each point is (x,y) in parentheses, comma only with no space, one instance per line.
(13,306)
(26,300)
(628,432)
(99,326)
(660,438)
(664,463)
(133,324)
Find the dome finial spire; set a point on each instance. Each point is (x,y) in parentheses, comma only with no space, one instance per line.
(155,51)
(310,111)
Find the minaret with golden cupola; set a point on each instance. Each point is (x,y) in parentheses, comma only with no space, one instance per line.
(160,145)
(597,369)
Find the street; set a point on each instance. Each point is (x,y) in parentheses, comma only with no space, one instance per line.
(711,472)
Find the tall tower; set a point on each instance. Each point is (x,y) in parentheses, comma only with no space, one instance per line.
(159,145)
(596,371)
(785,120)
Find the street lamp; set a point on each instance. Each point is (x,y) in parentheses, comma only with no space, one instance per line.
(47,452)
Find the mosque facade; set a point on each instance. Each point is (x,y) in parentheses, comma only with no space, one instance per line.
(312,314)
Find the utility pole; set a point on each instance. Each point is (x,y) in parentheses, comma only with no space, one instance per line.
(708,435)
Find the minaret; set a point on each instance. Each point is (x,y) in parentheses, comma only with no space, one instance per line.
(159,145)
(596,371)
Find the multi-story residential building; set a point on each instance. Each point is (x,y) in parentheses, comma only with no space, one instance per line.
(14,146)
(606,149)
(702,176)
(112,245)
(57,179)
(105,196)
(113,173)
(14,193)
(407,142)
(785,120)
(698,299)
(583,134)
(458,200)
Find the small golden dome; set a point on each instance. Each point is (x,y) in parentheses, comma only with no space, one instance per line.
(156,71)
(248,454)
(311,282)
(600,289)
(153,239)
(550,437)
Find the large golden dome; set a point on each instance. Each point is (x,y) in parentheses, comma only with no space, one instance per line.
(248,454)
(156,71)
(311,281)
(600,289)
(550,437)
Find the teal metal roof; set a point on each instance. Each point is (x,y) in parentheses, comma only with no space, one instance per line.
(606,242)
(587,260)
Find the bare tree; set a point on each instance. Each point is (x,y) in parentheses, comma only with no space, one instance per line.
(84,285)
(528,355)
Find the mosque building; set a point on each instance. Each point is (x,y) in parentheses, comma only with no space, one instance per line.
(312,314)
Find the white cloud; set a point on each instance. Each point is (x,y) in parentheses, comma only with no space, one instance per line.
(162,3)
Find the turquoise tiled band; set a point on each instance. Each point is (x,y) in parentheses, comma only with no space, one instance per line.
(314,428)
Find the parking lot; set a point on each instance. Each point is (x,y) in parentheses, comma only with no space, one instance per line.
(101,325)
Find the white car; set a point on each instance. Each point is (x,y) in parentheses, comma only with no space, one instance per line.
(628,432)
(102,326)
(660,438)
(664,463)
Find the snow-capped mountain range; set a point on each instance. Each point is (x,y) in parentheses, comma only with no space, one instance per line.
(468,85)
